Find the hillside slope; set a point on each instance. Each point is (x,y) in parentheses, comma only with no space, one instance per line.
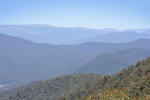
(69,87)
(110,63)
(52,89)
(136,78)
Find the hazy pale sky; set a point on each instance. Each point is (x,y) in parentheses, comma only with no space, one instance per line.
(119,14)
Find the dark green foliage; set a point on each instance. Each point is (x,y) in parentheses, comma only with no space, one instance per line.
(52,89)
(136,78)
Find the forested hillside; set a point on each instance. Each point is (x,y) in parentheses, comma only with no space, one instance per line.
(52,89)
(136,78)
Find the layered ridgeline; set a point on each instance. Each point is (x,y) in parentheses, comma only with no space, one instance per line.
(118,37)
(110,63)
(23,61)
(62,35)
(51,34)
(136,78)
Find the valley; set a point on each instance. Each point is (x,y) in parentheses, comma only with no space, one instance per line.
(74,50)
(26,61)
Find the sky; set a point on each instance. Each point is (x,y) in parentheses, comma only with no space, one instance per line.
(96,14)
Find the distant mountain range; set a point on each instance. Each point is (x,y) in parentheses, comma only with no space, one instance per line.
(117,37)
(60,35)
(141,30)
(51,34)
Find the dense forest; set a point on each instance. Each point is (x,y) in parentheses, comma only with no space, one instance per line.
(135,79)
(52,89)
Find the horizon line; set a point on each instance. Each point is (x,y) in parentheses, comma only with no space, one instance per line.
(81,27)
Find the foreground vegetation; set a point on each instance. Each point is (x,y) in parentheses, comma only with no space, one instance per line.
(52,89)
(116,94)
(130,84)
